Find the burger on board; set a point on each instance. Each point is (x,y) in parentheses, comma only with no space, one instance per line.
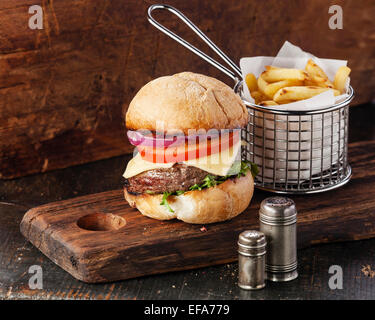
(187,163)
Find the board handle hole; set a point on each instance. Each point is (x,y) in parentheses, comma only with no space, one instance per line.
(101,222)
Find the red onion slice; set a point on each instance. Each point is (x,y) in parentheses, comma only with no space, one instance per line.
(136,138)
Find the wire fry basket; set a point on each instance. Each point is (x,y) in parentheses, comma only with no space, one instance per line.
(297,152)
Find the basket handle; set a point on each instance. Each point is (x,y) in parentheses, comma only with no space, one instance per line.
(237,71)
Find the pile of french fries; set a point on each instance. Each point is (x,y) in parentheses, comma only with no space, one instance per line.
(282,85)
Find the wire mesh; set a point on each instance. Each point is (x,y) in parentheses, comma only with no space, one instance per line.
(298,152)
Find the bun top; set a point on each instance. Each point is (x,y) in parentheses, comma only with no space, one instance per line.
(186,101)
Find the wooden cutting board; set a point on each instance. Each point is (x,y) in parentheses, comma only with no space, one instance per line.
(122,244)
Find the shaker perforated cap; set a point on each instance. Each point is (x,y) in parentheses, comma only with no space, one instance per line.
(252,242)
(278,210)
(251,260)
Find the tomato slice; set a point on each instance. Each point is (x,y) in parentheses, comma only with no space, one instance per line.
(190,150)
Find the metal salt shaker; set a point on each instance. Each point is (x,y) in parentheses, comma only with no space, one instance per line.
(278,221)
(251,260)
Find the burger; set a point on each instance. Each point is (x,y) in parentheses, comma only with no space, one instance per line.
(187,162)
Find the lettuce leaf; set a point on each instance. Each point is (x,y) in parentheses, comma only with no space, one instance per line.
(211,181)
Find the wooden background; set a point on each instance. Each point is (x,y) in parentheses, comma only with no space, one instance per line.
(62,88)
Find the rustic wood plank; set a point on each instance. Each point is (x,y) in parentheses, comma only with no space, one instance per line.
(62,88)
(146,246)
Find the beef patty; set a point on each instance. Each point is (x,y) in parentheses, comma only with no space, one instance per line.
(178,177)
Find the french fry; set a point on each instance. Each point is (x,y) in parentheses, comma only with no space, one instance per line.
(272,88)
(262,84)
(313,69)
(273,74)
(258,96)
(268,103)
(313,80)
(282,85)
(299,93)
(318,81)
(287,101)
(317,76)
(341,78)
(251,82)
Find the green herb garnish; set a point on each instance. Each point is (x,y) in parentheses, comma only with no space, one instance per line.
(248,165)
(211,181)
(195,187)
(164,201)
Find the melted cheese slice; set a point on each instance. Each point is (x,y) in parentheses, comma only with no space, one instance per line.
(217,164)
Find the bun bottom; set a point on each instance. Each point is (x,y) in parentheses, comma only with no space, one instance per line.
(222,202)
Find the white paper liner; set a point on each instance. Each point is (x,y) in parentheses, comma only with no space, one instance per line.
(315,157)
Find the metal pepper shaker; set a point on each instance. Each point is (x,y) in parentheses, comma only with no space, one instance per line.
(278,221)
(251,260)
